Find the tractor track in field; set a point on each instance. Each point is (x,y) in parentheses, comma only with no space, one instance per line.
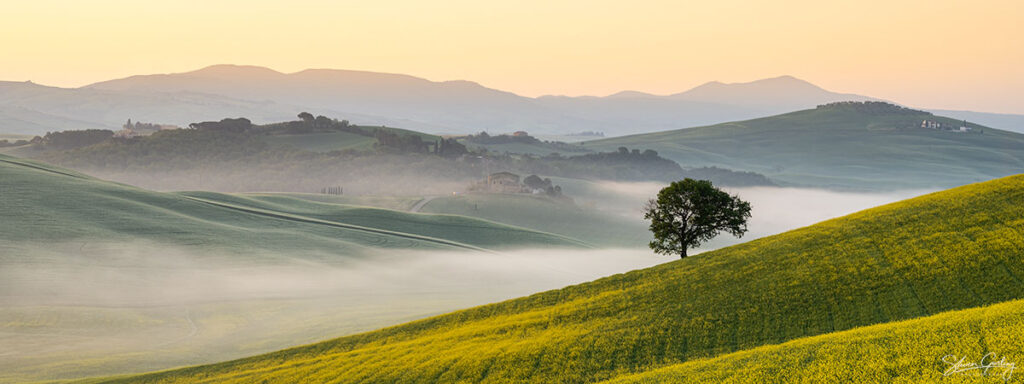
(307,220)
(416,208)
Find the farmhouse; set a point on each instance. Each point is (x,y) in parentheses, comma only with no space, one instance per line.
(508,182)
(503,182)
(945,127)
(932,124)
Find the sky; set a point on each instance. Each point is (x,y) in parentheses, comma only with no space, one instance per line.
(929,54)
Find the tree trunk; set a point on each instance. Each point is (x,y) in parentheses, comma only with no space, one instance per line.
(682,254)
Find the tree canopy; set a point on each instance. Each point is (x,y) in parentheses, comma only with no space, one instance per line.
(690,212)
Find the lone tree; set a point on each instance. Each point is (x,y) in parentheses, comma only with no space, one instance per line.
(690,212)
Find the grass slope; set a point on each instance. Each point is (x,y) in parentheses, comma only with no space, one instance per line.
(465,230)
(543,214)
(950,250)
(398,203)
(908,351)
(70,245)
(841,147)
(541,149)
(46,204)
(341,140)
(325,141)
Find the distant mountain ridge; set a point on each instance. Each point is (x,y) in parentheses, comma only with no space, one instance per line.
(782,91)
(458,106)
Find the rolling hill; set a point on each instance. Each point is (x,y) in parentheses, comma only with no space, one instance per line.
(340,140)
(462,229)
(46,203)
(541,149)
(950,250)
(99,278)
(1004,121)
(324,142)
(844,146)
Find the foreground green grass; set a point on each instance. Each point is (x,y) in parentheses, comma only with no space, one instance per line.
(945,251)
(910,351)
(838,147)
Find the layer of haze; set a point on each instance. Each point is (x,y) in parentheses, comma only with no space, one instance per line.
(936,54)
(88,309)
(774,210)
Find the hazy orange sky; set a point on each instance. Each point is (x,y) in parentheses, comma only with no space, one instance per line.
(937,54)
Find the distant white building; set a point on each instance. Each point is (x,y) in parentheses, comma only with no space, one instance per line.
(964,127)
(945,127)
(931,124)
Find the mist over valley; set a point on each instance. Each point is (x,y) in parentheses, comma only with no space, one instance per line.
(524,192)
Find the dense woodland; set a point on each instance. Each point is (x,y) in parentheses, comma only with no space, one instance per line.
(72,139)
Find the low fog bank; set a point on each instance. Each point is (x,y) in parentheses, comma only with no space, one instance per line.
(68,311)
(776,210)
(151,274)
(773,209)
(74,310)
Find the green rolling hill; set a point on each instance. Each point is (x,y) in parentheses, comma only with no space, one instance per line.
(398,203)
(462,229)
(843,146)
(340,140)
(98,278)
(43,203)
(325,142)
(945,251)
(535,149)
